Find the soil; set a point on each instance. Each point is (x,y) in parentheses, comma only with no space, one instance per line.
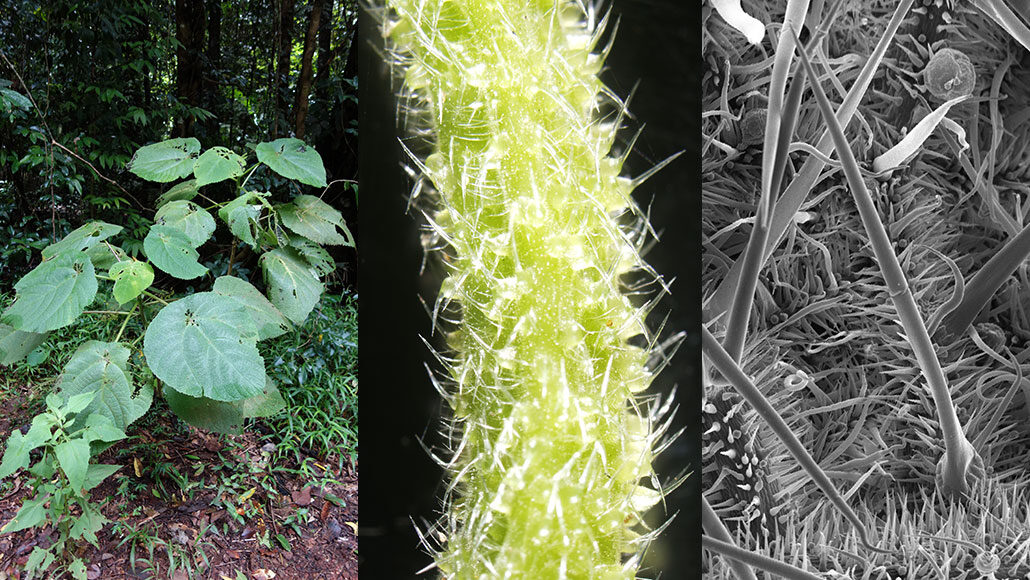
(326,548)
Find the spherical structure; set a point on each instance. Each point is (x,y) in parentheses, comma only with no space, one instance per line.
(949,75)
(752,127)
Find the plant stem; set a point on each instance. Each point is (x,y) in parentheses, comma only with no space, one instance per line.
(546,476)
(135,304)
(150,294)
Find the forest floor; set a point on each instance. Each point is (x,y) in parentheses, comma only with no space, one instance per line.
(191,505)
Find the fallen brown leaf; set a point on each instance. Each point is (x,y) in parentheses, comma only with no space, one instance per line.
(302,497)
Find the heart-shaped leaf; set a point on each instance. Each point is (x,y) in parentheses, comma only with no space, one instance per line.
(224,417)
(172,251)
(316,255)
(53,294)
(189,218)
(316,220)
(165,161)
(293,159)
(16,345)
(82,238)
(102,367)
(218,164)
(270,322)
(242,216)
(185,191)
(131,278)
(205,345)
(293,285)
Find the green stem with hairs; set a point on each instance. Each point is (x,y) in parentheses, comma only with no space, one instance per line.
(551,443)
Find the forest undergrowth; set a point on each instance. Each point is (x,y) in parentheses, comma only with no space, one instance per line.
(824,344)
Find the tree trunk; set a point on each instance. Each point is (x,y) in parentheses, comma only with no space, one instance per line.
(282,69)
(214,64)
(338,145)
(147,83)
(325,40)
(189,31)
(300,104)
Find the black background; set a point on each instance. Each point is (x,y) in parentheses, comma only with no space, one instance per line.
(658,46)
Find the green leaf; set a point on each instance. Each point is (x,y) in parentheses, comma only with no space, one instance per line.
(104,256)
(218,164)
(293,286)
(266,404)
(16,455)
(82,238)
(206,345)
(285,543)
(73,456)
(39,559)
(185,191)
(17,99)
(131,278)
(292,159)
(37,357)
(97,473)
(55,404)
(32,513)
(224,417)
(76,403)
(242,216)
(189,218)
(165,161)
(78,568)
(316,220)
(89,523)
(270,322)
(16,344)
(205,413)
(314,254)
(53,294)
(44,470)
(102,367)
(173,252)
(99,427)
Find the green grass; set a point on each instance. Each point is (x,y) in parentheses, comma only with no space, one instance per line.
(316,368)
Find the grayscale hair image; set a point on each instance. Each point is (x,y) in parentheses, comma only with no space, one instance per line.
(865,291)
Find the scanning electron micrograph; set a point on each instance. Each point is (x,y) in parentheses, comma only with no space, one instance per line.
(866,295)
